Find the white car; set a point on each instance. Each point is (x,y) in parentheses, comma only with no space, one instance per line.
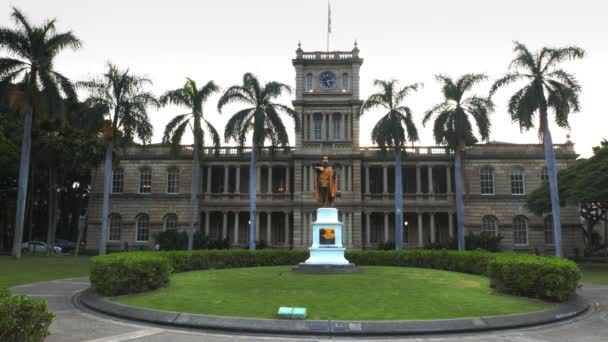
(38,247)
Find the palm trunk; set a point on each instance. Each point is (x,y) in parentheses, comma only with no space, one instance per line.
(24,167)
(193,194)
(51,210)
(550,158)
(459,204)
(107,183)
(82,227)
(398,202)
(30,206)
(252,199)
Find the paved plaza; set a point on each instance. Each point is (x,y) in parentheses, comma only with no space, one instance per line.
(74,323)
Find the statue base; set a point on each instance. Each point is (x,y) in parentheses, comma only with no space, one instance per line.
(327,251)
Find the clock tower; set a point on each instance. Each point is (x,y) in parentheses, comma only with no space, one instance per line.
(327,105)
(327,101)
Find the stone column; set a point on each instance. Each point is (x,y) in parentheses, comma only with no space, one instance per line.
(349,175)
(269,179)
(323,131)
(238,180)
(225,226)
(287,228)
(258,179)
(209,179)
(343,180)
(432,227)
(420,238)
(236,228)
(448,179)
(367,229)
(418,181)
(431,190)
(385,227)
(288,179)
(451,224)
(269,228)
(305,178)
(330,118)
(350,229)
(367,179)
(384,180)
(207,220)
(226,174)
(312,174)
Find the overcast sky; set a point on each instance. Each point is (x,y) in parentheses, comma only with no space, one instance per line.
(406,40)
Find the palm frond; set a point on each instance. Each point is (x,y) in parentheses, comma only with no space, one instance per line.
(523,58)
(215,136)
(236,124)
(170,128)
(235,94)
(505,80)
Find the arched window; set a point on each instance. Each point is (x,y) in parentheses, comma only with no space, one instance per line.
(170,222)
(143,228)
(488,225)
(114,230)
(549,237)
(486,179)
(145,180)
(518,186)
(117,180)
(520,230)
(544,174)
(309,82)
(344,82)
(173,180)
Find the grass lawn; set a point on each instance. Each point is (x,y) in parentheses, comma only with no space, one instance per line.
(595,273)
(378,293)
(32,268)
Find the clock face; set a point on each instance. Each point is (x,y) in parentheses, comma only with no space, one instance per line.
(327,80)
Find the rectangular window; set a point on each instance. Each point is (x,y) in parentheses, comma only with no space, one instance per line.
(317,122)
(117,180)
(172,181)
(309,82)
(143,228)
(486,179)
(114,233)
(517,182)
(336,127)
(145,181)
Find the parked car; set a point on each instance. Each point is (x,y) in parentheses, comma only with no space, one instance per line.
(38,247)
(65,245)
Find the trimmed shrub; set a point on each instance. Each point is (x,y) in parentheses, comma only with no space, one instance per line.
(122,273)
(472,241)
(23,319)
(533,276)
(519,274)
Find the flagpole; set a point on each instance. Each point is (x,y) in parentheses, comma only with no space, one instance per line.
(328,23)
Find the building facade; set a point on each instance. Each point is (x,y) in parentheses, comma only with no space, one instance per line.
(151,186)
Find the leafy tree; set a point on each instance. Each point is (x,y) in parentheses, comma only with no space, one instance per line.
(193,98)
(126,99)
(452,127)
(548,87)
(262,119)
(584,184)
(39,88)
(390,133)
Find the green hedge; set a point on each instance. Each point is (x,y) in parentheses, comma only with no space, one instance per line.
(133,272)
(23,319)
(520,274)
(534,276)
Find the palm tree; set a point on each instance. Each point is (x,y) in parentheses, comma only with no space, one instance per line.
(389,133)
(192,97)
(261,117)
(452,127)
(124,96)
(548,87)
(29,80)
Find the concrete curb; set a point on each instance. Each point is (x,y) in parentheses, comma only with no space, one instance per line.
(563,311)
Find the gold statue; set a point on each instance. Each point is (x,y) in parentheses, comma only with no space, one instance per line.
(325,184)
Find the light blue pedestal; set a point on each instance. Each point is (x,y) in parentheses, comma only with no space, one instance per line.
(323,252)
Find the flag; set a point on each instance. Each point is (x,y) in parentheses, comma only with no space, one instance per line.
(328,17)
